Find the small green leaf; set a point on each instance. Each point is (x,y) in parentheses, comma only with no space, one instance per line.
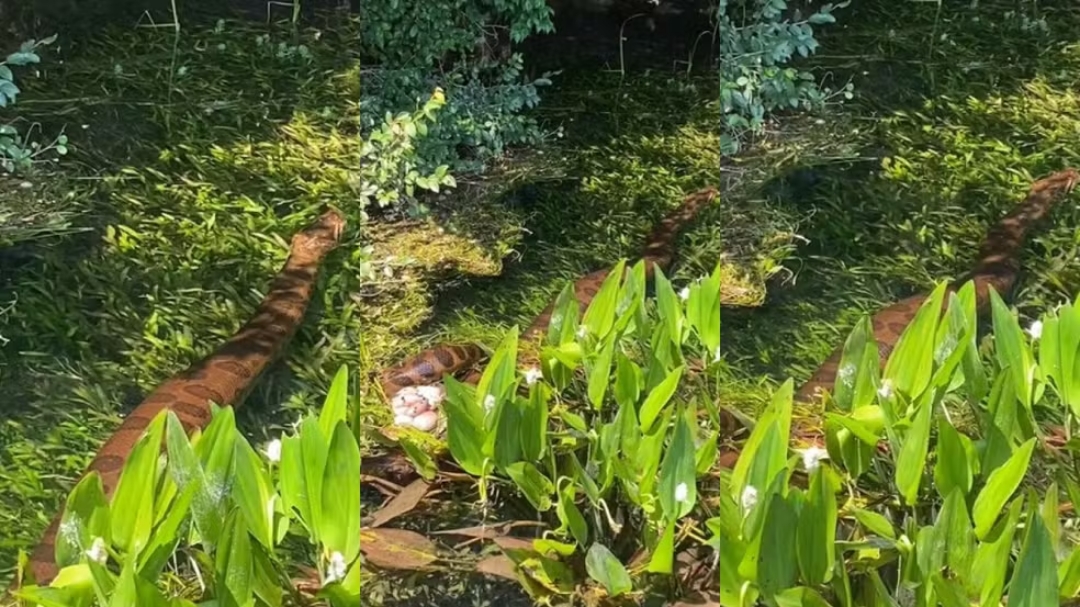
(999,488)
(606,569)
(658,399)
(536,487)
(1034,582)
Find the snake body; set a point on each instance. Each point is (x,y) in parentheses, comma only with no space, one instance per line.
(226,376)
(431,365)
(996,266)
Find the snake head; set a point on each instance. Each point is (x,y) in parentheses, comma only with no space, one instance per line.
(321,237)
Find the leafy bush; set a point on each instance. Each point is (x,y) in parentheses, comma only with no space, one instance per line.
(899,513)
(452,46)
(16,152)
(423,34)
(224,507)
(757,39)
(636,442)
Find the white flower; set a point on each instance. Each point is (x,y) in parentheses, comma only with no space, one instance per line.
(749,498)
(582,331)
(716,357)
(885,391)
(812,457)
(489,403)
(97,552)
(336,570)
(533,375)
(1035,330)
(684,294)
(681,491)
(273,450)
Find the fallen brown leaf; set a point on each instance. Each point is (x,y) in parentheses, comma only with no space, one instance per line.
(499,565)
(397,549)
(403,503)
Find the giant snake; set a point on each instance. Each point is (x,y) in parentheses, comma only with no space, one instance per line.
(225,376)
(997,266)
(432,365)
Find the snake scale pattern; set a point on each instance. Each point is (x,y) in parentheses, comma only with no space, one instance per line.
(225,376)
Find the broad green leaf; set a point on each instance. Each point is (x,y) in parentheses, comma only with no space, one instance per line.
(816,531)
(234,565)
(911,463)
(949,593)
(667,303)
(564,316)
(777,419)
(570,515)
(132,506)
(600,315)
(314,446)
(498,378)
(534,422)
(800,596)
(703,312)
(999,488)
(253,494)
(464,428)
(600,373)
(952,470)
(293,482)
(954,526)
(911,363)
(1034,582)
(628,380)
(1069,575)
(536,487)
(185,470)
(341,495)
(658,399)
(952,341)
(987,578)
(678,474)
(778,568)
(335,407)
(855,349)
(649,453)
(1012,350)
(874,523)
(507,448)
(663,555)
(605,568)
(86,511)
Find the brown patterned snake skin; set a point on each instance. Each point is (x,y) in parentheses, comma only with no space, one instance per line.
(430,366)
(225,376)
(997,266)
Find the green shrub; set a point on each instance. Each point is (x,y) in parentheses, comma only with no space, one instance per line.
(757,40)
(940,516)
(411,49)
